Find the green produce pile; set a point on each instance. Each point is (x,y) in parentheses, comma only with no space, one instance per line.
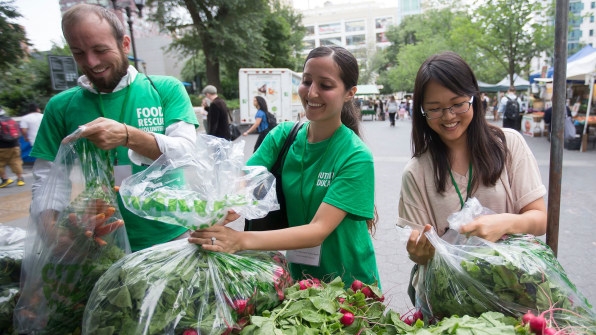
(515,275)
(11,258)
(321,308)
(177,288)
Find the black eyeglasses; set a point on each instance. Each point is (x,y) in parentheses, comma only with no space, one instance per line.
(436,113)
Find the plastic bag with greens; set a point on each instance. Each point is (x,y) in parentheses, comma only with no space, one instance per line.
(517,274)
(12,245)
(196,190)
(75,234)
(178,288)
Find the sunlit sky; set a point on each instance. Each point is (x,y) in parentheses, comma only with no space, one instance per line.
(41,18)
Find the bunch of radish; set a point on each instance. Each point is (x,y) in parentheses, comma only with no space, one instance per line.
(538,324)
(410,318)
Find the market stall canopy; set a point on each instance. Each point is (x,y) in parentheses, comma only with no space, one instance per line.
(519,83)
(578,65)
(367,89)
(488,88)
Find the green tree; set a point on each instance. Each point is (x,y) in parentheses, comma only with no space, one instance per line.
(12,36)
(508,32)
(231,33)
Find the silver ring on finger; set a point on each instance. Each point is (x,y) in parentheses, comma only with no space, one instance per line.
(213,239)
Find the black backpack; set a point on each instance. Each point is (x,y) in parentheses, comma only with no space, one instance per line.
(271,120)
(511,111)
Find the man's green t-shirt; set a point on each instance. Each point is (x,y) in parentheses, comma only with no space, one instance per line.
(338,171)
(139,105)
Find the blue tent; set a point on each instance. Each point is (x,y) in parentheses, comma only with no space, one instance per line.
(585,51)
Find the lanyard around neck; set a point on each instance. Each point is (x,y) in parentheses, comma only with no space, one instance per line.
(461,199)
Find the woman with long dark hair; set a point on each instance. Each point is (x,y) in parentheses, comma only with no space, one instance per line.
(261,123)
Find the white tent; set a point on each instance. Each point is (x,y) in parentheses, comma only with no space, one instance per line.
(578,69)
(519,83)
(367,89)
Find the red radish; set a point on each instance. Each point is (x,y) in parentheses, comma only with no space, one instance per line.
(304,284)
(341,300)
(538,324)
(381,298)
(368,292)
(343,311)
(527,318)
(549,331)
(357,285)
(347,319)
(418,315)
(190,332)
(240,305)
(409,320)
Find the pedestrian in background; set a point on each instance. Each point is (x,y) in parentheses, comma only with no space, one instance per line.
(30,123)
(327,180)
(10,150)
(218,116)
(459,153)
(392,108)
(261,123)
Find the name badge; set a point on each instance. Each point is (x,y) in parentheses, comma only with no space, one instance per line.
(306,256)
(121,172)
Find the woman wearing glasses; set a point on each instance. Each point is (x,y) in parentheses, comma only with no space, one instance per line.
(458,155)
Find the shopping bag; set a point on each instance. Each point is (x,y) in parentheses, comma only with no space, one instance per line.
(196,190)
(178,288)
(517,274)
(75,233)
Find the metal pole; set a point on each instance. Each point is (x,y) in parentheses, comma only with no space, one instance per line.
(132,36)
(557,125)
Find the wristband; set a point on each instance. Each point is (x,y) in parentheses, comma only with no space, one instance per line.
(126,128)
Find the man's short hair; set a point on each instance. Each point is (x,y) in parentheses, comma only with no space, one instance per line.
(209,89)
(32,107)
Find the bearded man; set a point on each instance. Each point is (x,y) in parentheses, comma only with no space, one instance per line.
(133,116)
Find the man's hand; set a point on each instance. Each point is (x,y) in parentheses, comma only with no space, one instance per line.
(105,133)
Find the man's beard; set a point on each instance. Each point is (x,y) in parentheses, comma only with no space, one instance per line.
(109,83)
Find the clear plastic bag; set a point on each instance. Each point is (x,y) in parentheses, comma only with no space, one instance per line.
(176,287)
(12,245)
(196,191)
(517,274)
(75,233)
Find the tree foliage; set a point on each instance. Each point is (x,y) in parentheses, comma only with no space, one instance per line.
(497,38)
(231,33)
(507,32)
(12,36)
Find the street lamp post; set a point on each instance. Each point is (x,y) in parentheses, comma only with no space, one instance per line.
(140,4)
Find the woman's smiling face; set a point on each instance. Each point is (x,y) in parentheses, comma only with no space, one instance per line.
(450,127)
(322,90)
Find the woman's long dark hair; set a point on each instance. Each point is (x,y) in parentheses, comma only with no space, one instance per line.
(486,143)
(262,103)
(350,115)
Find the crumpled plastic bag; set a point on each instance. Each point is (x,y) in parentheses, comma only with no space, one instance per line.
(196,190)
(177,287)
(517,274)
(75,233)
(12,245)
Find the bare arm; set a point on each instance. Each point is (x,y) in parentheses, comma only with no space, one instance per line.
(530,220)
(253,127)
(324,222)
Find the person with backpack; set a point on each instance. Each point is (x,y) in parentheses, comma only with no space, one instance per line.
(10,150)
(264,121)
(510,108)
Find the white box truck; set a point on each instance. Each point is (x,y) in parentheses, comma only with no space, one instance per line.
(279,87)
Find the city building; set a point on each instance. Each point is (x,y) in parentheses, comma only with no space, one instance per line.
(359,27)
